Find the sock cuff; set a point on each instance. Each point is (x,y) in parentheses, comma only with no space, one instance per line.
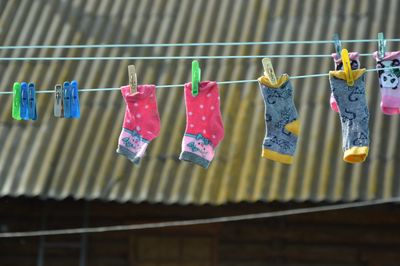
(279,84)
(352,56)
(388,56)
(339,74)
(143,91)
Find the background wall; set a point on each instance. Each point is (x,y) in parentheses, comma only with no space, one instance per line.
(357,237)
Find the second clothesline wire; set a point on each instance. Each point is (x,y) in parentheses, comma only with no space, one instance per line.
(219,83)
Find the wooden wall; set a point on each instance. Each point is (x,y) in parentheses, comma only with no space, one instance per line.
(356,237)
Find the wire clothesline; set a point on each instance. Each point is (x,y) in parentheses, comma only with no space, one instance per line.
(220,82)
(179,57)
(153,45)
(225,219)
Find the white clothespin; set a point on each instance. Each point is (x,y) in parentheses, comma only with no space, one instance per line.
(269,70)
(132,78)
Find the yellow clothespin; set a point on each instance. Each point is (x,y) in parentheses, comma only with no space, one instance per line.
(347,67)
(132,78)
(269,70)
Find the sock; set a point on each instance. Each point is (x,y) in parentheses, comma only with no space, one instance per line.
(389,82)
(204,126)
(355,64)
(282,125)
(354,115)
(141,122)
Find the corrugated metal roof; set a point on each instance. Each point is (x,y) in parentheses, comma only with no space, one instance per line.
(59,158)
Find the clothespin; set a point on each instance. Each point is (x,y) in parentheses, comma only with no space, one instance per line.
(347,67)
(132,78)
(16,105)
(58,101)
(32,112)
(338,45)
(24,101)
(75,108)
(381,45)
(196,77)
(269,70)
(67,99)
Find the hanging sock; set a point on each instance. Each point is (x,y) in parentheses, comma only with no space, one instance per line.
(389,82)
(24,101)
(141,122)
(32,112)
(354,115)
(282,125)
(204,126)
(355,64)
(16,105)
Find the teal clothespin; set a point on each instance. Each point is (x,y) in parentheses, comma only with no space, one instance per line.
(381,45)
(338,45)
(196,77)
(16,105)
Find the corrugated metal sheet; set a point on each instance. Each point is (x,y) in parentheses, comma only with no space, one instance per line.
(58,158)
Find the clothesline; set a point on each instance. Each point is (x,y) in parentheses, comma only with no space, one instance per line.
(244,217)
(133,45)
(220,82)
(188,57)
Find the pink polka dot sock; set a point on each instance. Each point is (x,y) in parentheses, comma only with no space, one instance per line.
(204,126)
(389,82)
(141,122)
(355,64)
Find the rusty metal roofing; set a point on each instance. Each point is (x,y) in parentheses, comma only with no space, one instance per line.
(58,158)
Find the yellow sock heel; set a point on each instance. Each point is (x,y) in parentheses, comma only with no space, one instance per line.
(293,127)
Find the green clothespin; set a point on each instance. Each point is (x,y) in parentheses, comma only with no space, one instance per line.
(196,77)
(16,105)
(381,45)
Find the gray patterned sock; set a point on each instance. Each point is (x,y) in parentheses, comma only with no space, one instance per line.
(354,115)
(281,120)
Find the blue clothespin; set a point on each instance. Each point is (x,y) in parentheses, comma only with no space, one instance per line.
(75,108)
(67,100)
(381,46)
(338,45)
(24,101)
(32,112)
